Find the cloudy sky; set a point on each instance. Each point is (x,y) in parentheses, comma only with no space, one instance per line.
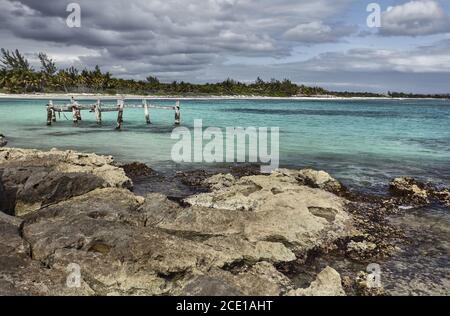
(315,42)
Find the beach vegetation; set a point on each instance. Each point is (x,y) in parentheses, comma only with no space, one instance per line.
(18,76)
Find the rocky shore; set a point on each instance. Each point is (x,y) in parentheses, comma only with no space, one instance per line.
(3,141)
(241,233)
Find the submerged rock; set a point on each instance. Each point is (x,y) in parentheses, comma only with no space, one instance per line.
(137,169)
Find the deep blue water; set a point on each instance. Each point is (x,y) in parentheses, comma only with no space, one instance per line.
(362,143)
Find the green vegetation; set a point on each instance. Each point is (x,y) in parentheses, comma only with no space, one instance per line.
(18,76)
(418,96)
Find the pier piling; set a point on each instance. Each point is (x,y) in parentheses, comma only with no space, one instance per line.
(177,113)
(146,111)
(120,105)
(98,113)
(49,113)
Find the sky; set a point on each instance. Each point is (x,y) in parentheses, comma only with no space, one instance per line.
(325,43)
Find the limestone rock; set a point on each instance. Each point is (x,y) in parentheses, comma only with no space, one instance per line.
(219,181)
(262,279)
(121,251)
(327,283)
(222,242)
(137,169)
(33,179)
(409,189)
(314,178)
(267,208)
(444,196)
(360,250)
(19,275)
(66,162)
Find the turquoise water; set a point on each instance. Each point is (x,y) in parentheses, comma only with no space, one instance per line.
(362,143)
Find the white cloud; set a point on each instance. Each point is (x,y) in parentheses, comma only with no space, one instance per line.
(316,32)
(414,18)
(419,60)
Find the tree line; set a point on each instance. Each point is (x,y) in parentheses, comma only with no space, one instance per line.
(18,76)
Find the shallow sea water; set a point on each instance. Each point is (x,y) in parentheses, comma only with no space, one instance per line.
(362,143)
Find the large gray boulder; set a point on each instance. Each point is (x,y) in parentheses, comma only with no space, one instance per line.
(327,283)
(120,251)
(34,179)
(266,208)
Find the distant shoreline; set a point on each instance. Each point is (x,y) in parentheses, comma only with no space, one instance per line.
(91,96)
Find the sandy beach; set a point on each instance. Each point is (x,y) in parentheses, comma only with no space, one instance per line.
(89,96)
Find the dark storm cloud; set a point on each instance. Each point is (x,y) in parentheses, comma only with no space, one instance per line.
(192,33)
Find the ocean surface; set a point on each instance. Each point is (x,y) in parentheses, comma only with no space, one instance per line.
(362,143)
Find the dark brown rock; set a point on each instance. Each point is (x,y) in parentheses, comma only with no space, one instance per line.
(137,169)
(409,190)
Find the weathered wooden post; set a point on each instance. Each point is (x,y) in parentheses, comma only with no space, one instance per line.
(120,105)
(74,114)
(177,113)
(146,112)
(98,113)
(49,113)
(78,113)
(53,111)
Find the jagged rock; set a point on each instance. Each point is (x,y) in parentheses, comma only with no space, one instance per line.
(19,274)
(42,189)
(66,162)
(216,228)
(363,287)
(219,181)
(4,201)
(443,196)
(314,178)
(193,178)
(360,250)
(327,283)
(262,279)
(225,241)
(121,249)
(267,208)
(33,178)
(410,190)
(137,169)
(204,285)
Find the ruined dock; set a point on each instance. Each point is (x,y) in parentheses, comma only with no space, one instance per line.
(99,107)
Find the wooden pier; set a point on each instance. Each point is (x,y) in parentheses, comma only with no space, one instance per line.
(98,108)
